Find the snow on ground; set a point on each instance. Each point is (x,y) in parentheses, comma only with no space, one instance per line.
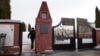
(26,43)
(25,38)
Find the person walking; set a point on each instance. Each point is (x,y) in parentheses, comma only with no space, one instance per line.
(31,35)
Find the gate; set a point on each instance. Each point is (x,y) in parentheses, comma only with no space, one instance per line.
(64,35)
(86,35)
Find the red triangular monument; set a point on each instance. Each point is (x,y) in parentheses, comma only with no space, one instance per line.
(44,9)
(43,28)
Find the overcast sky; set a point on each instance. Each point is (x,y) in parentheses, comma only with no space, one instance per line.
(27,10)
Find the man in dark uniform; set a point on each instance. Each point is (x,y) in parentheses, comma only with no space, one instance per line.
(31,35)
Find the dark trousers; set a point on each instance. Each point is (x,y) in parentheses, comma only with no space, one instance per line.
(32,43)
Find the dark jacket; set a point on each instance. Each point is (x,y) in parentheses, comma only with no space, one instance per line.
(31,35)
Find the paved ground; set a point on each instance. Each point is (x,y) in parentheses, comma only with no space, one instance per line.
(85,52)
(66,53)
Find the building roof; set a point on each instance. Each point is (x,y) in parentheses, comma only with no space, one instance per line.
(13,21)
